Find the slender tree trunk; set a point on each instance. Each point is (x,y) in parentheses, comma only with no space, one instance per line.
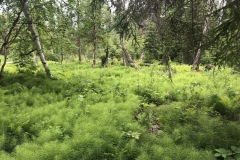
(105,58)
(35,36)
(126,57)
(35,58)
(166,62)
(4,50)
(61,59)
(201,50)
(94,41)
(79,49)
(94,51)
(5,45)
(78,37)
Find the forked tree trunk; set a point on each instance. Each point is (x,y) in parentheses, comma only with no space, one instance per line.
(201,50)
(35,36)
(126,57)
(5,45)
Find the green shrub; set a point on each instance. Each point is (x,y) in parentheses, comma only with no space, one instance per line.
(224,106)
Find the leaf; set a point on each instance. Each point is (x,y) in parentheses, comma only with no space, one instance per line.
(224,155)
(135,135)
(221,150)
(224,151)
(217,154)
(234,148)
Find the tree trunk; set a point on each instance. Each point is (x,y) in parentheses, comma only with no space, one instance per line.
(79,49)
(127,59)
(5,45)
(166,60)
(201,50)
(35,58)
(4,50)
(78,30)
(94,53)
(35,36)
(94,42)
(105,58)
(61,58)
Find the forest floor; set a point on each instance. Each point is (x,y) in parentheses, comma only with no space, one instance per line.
(119,113)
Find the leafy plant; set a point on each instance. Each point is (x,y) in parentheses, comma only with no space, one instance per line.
(228,154)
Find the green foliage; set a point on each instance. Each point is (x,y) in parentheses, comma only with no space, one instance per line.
(117,113)
(152,45)
(233,154)
(224,106)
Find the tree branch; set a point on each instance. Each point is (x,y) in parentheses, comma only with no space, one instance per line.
(28,52)
(7,38)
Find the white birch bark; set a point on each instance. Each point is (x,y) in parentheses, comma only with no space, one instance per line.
(35,36)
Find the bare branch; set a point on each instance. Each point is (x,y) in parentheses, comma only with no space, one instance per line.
(28,52)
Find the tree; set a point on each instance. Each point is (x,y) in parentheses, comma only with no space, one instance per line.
(35,36)
(226,35)
(125,26)
(152,43)
(78,31)
(8,40)
(200,51)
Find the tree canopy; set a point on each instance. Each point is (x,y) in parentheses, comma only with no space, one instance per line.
(81,27)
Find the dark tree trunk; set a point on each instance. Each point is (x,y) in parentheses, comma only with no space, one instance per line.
(5,45)
(61,58)
(94,53)
(78,37)
(105,58)
(94,42)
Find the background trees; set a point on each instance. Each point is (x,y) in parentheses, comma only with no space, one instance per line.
(226,34)
(85,28)
(118,112)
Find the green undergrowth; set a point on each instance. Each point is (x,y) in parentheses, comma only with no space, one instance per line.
(118,113)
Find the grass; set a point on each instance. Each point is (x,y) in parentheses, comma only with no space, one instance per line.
(118,113)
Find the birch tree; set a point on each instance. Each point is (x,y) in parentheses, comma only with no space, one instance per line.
(9,36)
(35,36)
